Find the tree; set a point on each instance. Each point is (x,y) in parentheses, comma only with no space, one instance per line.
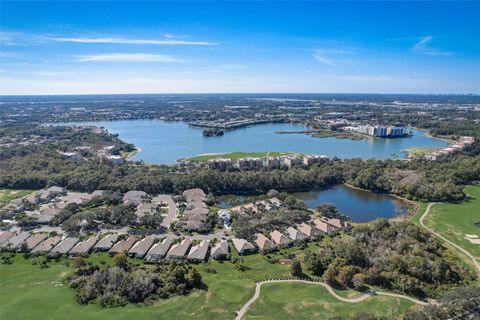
(296,268)
(314,264)
(121,261)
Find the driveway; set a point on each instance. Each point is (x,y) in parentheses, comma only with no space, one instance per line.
(172,208)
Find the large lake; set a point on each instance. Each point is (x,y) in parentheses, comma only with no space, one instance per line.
(359,205)
(165,142)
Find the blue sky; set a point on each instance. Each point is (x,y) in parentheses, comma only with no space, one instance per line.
(181,47)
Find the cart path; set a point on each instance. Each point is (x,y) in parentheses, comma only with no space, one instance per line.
(465,252)
(256,295)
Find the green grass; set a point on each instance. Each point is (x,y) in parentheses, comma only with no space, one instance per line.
(417,151)
(28,292)
(308,301)
(421,207)
(7,195)
(454,220)
(235,155)
(227,290)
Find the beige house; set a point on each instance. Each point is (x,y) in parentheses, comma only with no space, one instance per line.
(263,243)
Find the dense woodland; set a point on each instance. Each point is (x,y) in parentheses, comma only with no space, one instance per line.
(124,283)
(40,165)
(396,256)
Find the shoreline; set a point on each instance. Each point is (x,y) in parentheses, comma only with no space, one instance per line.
(411,206)
(132,153)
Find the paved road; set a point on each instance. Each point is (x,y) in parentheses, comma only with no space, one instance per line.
(172,208)
(465,252)
(243,310)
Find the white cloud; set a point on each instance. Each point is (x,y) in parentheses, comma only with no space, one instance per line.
(323,59)
(233,66)
(167,42)
(129,57)
(422,46)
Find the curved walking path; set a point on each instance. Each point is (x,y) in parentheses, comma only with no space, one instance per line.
(465,252)
(256,295)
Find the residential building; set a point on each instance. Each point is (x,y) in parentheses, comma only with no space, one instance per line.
(158,251)
(280,239)
(198,253)
(323,226)
(123,246)
(179,250)
(65,245)
(220,250)
(106,243)
(243,246)
(309,231)
(34,240)
(83,247)
(15,242)
(263,243)
(291,161)
(47,245)
(296,235)
(134,197)
(140,249)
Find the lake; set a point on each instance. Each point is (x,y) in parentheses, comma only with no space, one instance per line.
(359,205)
(164,142)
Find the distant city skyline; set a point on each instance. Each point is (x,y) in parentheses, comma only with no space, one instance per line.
(235,47)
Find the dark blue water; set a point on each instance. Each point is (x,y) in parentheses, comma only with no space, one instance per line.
(165,142)
(359,205)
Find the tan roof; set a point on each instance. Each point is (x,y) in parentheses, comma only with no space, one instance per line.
(65,245)
(219,250)
(296,235)
(34,240)
(279,238)
(323,226)
(199,252)
(84,246)
(263,242)
(179,250)
(47,245)
(308,230)
(5,235)
(106,242)
(195,194)
(249,206)
(141,247)
(158,250)
(242,245)
(124,245)
(337,223)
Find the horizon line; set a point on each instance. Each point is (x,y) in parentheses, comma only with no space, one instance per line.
(237,93)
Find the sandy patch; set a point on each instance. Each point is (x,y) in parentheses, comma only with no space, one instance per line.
(471,236)
(474,241)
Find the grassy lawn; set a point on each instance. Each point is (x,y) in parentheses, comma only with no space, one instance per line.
(28,292)
(7,195)
(418,151)
(307,301)
(236,155)
(421,207)
(454,220)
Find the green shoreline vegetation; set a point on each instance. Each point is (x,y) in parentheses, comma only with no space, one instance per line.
(236,155)
(416,151)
